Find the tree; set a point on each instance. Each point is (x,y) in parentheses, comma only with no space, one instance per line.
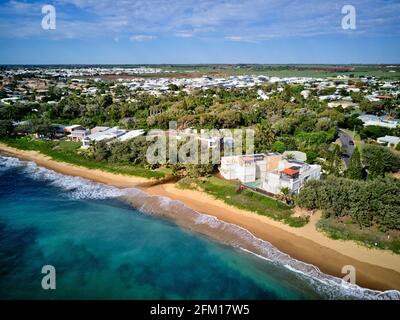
(199,170)
(374,132)
(173,87)
(334,164)
(264,136)
(376,166)
(355,170)
(229,119)
(107,101)
(6,128)
(101,151)
(278,146)
(120,152)
(311,156)
(40,126)
(351,122)
(366,202)
(285,195)
(379,160)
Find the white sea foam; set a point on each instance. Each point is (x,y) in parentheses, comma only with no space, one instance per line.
(330,286)
(75,187)
(7,163)
(79,188)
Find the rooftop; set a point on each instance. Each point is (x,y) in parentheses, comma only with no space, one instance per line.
(290,172)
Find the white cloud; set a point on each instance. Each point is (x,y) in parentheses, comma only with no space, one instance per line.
(142,37)
(239,39)
(233,20)
(184,34)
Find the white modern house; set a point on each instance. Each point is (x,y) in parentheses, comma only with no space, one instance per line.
(76,132)
(248,168)
(106,133)
(291,174)
(270,172)
(77,135)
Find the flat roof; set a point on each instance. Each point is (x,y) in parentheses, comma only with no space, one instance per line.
(290,172)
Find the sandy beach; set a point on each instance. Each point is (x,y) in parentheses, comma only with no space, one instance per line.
(376,269)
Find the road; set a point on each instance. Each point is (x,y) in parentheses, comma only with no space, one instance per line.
(347,147)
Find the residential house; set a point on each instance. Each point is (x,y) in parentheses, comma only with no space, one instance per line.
(343,104)
(77,135)
(131,134)
(100,135)
(70,129)
(383,121)
(76,132)
(248,168)
(291,174)
(98,129)
(107,133)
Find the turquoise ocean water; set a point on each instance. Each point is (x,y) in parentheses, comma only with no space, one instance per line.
(103,248)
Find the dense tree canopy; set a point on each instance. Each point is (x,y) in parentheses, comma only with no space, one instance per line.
(367,203)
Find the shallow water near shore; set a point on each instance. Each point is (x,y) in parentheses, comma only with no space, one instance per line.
(103,248)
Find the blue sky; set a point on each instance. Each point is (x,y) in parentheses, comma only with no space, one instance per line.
(199,31)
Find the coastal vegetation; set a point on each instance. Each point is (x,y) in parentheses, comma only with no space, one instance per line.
(365,211)
(367,203)
(379,160)
(368,237)
(68,151)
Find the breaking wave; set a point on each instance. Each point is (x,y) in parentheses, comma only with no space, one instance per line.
(76,187)
(328,286)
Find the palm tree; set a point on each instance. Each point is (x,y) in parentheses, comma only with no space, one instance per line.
(285,194)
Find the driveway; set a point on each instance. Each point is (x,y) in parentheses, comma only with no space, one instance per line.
(347,147)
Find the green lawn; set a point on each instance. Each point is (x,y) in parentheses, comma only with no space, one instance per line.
(244,199)
(67,151)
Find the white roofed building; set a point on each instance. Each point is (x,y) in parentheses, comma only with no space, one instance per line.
(131,134)
(291,174)
(389,140)
(106,133)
